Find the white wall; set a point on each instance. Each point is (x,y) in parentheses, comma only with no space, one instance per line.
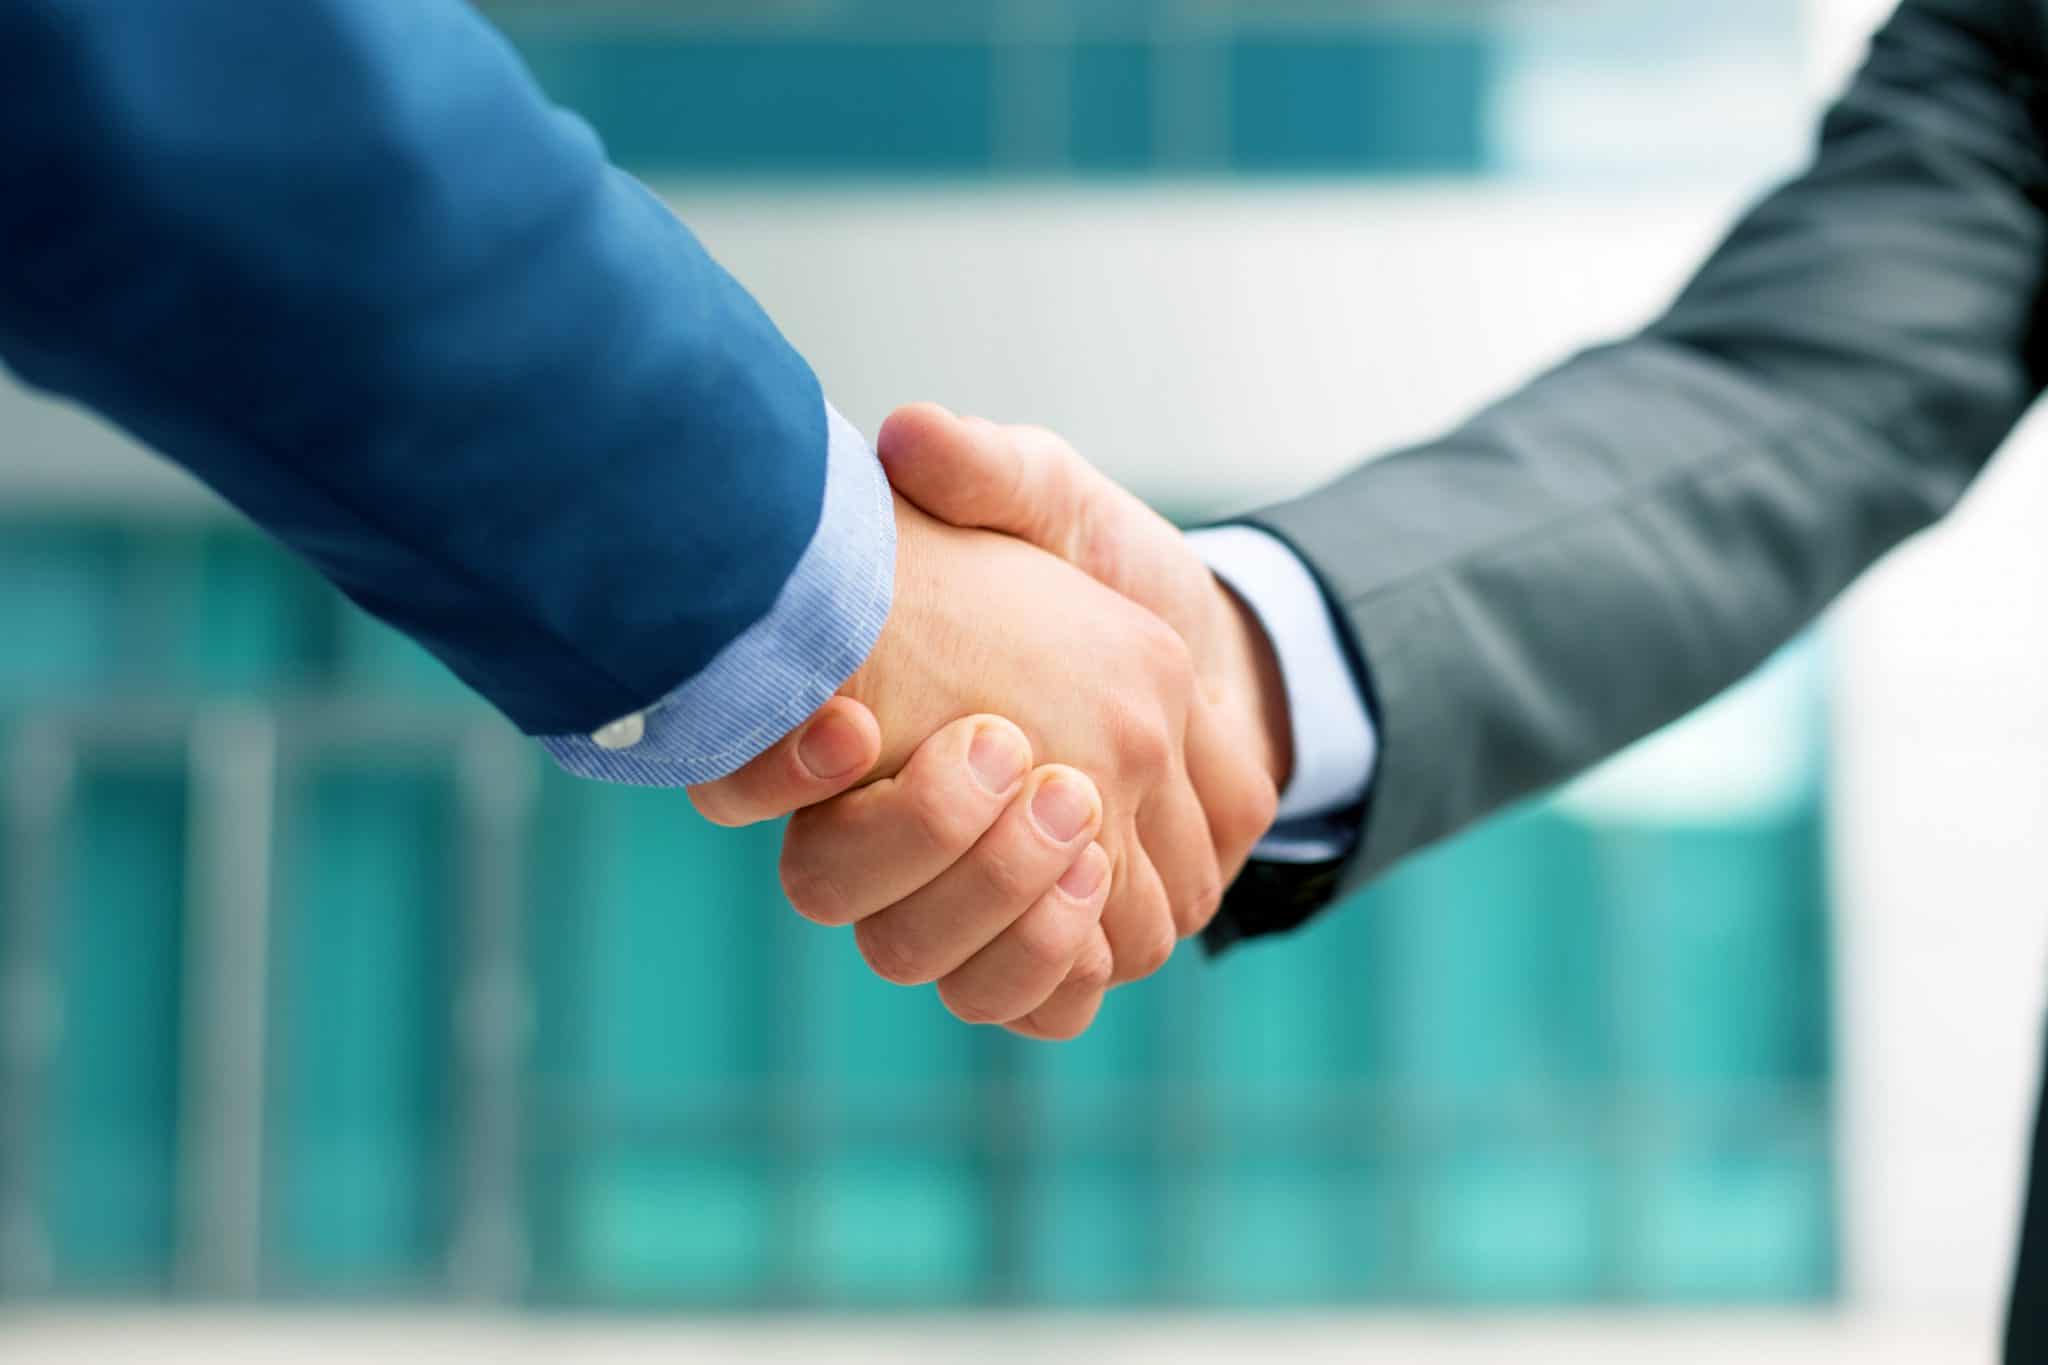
(1210,345)
(1942,867)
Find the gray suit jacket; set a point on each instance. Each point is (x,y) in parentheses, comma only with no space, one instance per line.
(1638,529)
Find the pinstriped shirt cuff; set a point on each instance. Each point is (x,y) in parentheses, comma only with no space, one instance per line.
(786,665)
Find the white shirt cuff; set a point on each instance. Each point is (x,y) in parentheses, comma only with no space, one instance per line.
(1336,746)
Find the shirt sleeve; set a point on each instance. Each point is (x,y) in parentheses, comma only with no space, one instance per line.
(782,668)
(1336,745)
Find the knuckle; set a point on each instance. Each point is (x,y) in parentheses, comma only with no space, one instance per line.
(1051,445)
(1244,813)
(1064,1028)
(1009,877)
(1152,752)
(1167,658)
(1044,941)
(889,953)
(969,1006)
(1095,968)
(1239,814)
(814,896)
(715,804)
(1148,952)
(1144,743)
(940,816)
(1261,809)
(1194,917)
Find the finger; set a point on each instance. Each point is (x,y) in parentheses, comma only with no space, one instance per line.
(846,859)
(1072,1009)
(928,934)
(1027,962)
(1030,483)
(1237,794)
(1022,481)
(1175,832)
(830,752)
(1138,921)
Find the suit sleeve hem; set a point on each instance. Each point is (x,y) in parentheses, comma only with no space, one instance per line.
(780,670)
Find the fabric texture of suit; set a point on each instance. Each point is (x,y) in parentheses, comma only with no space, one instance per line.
(1638,529)
(344,261)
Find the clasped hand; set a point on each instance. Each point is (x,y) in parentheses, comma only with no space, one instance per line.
(1058,756)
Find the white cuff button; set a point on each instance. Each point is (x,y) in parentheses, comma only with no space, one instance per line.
(622,734)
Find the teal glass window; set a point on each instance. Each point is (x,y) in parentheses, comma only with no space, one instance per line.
(1580,1055)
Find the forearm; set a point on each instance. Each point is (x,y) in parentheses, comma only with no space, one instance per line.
(1634,531)
(342,260)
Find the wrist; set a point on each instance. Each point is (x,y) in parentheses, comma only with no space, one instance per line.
(1257,685)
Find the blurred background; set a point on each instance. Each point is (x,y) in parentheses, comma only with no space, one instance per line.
(329,1016)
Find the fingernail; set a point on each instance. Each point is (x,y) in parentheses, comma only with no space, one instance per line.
(996,759)
(1062,810)
(831,748)
(1086,873)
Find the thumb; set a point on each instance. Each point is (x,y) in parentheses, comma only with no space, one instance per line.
(1029,483)
(831,752)
(1021,481)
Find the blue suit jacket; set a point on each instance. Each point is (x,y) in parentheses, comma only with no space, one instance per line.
(342,260)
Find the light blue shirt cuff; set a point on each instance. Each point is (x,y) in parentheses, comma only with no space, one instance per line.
(781,669)
(1336,746)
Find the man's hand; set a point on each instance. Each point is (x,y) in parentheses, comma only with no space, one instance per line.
(1029,483)
(989,887)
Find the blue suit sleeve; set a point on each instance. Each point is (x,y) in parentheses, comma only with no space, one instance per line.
(342,260)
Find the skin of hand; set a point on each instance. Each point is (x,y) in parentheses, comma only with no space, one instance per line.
(1029,483)
(963,865)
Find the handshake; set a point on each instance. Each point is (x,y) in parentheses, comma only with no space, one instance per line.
(1061,752)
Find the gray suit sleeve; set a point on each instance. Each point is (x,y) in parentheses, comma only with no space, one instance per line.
(1636,530)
